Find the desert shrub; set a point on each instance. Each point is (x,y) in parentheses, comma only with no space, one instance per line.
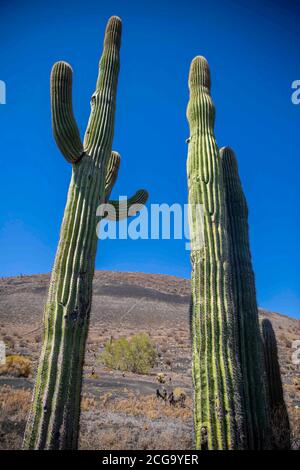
(160,377)
(18,366)
(136,354)
(178,393)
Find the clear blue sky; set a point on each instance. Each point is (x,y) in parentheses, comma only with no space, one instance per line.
(253,51)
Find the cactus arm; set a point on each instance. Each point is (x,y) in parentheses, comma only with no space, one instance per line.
(218,406)
(112,173)
(64,125)
(121,208)
(128,207)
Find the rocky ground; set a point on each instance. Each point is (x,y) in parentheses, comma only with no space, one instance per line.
(121,411)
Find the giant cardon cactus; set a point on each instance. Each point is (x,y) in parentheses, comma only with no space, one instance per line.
(280,426)
(54,417)
(218,405)
(244,296)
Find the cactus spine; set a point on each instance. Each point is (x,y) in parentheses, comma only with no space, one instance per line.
(54,418)
(218,406)
(280,425)
(244,296)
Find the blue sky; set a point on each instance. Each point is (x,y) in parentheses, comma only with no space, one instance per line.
(253,51)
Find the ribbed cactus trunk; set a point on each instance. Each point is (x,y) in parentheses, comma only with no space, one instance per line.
(218,406)
(54,418)
(244,296)
(280,426)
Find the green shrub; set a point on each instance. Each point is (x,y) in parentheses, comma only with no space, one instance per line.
(136,354)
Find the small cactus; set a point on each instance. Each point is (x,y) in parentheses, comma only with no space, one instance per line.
(244,296)
(54,417)
(280,425)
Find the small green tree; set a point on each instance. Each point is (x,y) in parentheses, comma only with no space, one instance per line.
(136,354)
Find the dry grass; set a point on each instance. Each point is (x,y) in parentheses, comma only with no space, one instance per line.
(153,436)
(14,407)
(169,440)
(150,407)
(17,366)
(88,403)
(134,422)
(14,403)
(146,406)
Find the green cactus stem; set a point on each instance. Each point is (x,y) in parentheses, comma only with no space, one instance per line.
(218,407)
(128,207)
(53,422)
(121,209)
(111,173)
(244,296)
(280,426)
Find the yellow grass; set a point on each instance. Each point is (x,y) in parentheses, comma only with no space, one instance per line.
(14,403)
(147,406)
(18,366)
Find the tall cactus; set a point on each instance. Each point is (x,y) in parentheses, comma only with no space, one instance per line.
(280,425)
(218,405)
(244,296)
(54,418)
